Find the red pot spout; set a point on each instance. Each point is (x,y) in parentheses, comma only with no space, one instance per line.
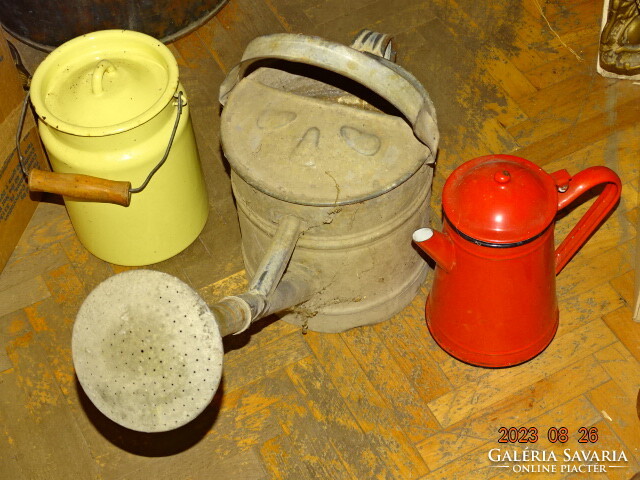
(437,245)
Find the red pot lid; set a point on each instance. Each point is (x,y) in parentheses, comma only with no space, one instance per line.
(500,199)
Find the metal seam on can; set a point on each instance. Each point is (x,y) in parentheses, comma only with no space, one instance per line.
(343,242)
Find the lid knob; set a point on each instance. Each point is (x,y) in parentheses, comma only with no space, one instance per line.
(502,176)
(105,66)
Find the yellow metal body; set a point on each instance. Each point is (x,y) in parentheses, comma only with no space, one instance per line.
(106,106)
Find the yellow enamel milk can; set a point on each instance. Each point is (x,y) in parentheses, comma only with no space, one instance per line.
(114,120)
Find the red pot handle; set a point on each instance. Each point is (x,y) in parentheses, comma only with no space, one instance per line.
(570,188)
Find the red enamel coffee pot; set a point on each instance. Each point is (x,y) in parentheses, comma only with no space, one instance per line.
(493,301)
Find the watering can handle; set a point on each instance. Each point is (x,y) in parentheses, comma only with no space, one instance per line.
(380,75)
(570,188)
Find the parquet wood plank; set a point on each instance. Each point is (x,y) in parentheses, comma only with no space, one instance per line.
(520,409)
(381,369)
(351,454)
(302,436)
(633,215)
(616,230)
(12,325)
(574,110)
(248,464)
(608,440)
(621,323)
(254,363)
(575,17)
(563,67)
(564,93)
(36,412)
(372,413)
(572,415)
(393,17)
(595,476)
(629,211)
(482,25)
(457,373)
(221,234)
(22,294)
(624,418)
(49,224)
(89,269)
(558,39)
(474,465)
(580,309)
(17,456)
(239,22)
(487,42)
(530,42)
(66,290)
(10,455)
(622,368)
(321,12)
(23,269)
(498,80)
(264,334)
(54,333)
(628,251)
(584,273)
(261,333)
(290,14)
(575,137)
(231,426)
(204,75)
(624,285)
(506,75)
(232,285)
(568,16)
(495,385)
(408,352)
(616,151)
(540,44)
(277,454)
(228,440)
(201,263)
(431,59)
(552,9)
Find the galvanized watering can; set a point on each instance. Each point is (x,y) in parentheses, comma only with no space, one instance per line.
(331,149)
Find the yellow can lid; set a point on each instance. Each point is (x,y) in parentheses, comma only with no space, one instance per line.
(104,83)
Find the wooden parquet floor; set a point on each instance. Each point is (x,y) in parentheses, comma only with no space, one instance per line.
(382,402)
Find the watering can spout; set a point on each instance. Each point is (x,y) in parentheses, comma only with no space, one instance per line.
(437,245)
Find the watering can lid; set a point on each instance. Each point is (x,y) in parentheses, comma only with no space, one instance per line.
(307,149)
(500,199)
(104,82)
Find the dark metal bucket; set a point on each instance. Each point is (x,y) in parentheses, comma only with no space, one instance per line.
(46,24)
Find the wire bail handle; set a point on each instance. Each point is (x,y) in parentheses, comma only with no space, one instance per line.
(86,187)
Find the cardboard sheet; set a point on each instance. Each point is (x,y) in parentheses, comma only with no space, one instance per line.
(16,203)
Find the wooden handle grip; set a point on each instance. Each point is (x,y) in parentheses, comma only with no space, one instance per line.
(80,187)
